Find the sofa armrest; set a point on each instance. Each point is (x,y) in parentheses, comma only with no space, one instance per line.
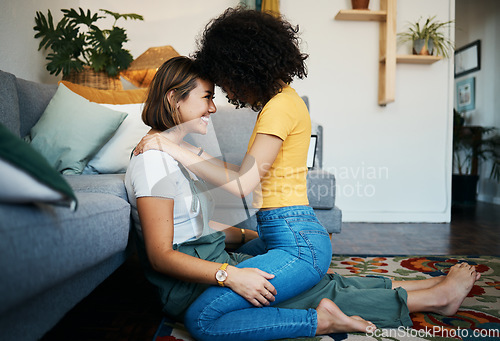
(321,189)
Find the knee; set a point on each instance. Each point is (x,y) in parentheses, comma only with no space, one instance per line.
(201,318)
(192,322)
(199,322)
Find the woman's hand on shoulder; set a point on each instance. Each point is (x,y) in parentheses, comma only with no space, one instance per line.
(154,140)
(252,284)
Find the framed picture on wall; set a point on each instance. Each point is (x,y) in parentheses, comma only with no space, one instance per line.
(466,94)
(468,59)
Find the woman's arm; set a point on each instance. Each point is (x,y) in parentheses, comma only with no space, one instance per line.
(154,140)
(207,157)
(157,222)
(234,235)
(242,182)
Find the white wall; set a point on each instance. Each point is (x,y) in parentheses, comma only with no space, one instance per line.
(481,20)
(18,47)
(393,164)
(166,22)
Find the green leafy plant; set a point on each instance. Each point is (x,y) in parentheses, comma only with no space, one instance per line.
(430,30)
(474,144)
(76,42)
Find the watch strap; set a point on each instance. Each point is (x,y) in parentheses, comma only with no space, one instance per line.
(243,236)
(223,268)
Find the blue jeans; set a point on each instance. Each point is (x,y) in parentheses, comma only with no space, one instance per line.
(299,254)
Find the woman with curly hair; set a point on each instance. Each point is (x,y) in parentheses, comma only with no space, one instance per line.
(184,254)
(254,56)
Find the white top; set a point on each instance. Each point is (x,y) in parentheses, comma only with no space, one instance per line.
(156,174)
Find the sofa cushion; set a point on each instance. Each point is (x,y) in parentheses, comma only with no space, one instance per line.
(33,99)
(233,128)
(26,175)
(72,130)
(330,219)
(108,96)
(321,189)
(9,103)
(51,244)
(114,156)
(99,183)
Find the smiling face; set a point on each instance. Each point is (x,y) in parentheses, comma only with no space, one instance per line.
(196,108)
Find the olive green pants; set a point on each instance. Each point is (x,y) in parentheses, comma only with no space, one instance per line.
(369,297)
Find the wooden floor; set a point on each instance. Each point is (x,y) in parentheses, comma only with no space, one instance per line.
(124,307)
(474,230)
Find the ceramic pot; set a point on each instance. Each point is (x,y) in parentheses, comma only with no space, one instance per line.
(360,4)
(419,47)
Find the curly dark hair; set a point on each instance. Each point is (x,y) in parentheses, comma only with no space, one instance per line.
(249,53)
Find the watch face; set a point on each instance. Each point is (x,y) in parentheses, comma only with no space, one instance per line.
(221,275)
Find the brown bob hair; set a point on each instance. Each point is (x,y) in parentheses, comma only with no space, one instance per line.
(178,74)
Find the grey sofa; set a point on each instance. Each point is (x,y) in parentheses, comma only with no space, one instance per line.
(52,257)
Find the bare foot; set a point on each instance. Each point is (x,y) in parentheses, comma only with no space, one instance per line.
(420,284)
(456,286)
(332,320)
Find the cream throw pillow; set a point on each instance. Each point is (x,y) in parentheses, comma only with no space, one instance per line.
(114,156)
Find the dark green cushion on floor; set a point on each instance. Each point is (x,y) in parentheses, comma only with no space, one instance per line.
(26,175)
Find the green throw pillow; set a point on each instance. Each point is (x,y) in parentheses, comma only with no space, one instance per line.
(72,130)
(26,175)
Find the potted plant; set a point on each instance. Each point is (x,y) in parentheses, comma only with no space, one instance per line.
(360,4)
(472,145)
(78,45)
(427,37)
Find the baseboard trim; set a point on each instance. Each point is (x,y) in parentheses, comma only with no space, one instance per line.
(396,217)
(489,199)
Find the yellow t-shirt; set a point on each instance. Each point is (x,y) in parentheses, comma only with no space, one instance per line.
(285,116)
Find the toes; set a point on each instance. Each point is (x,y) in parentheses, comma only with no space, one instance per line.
(371,327)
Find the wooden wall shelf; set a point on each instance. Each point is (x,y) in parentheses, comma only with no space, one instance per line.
(387,47)
(361,15)
(416,59)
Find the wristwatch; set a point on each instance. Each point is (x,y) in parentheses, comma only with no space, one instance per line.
(221,274)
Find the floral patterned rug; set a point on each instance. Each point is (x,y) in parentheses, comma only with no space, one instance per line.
(477,319)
